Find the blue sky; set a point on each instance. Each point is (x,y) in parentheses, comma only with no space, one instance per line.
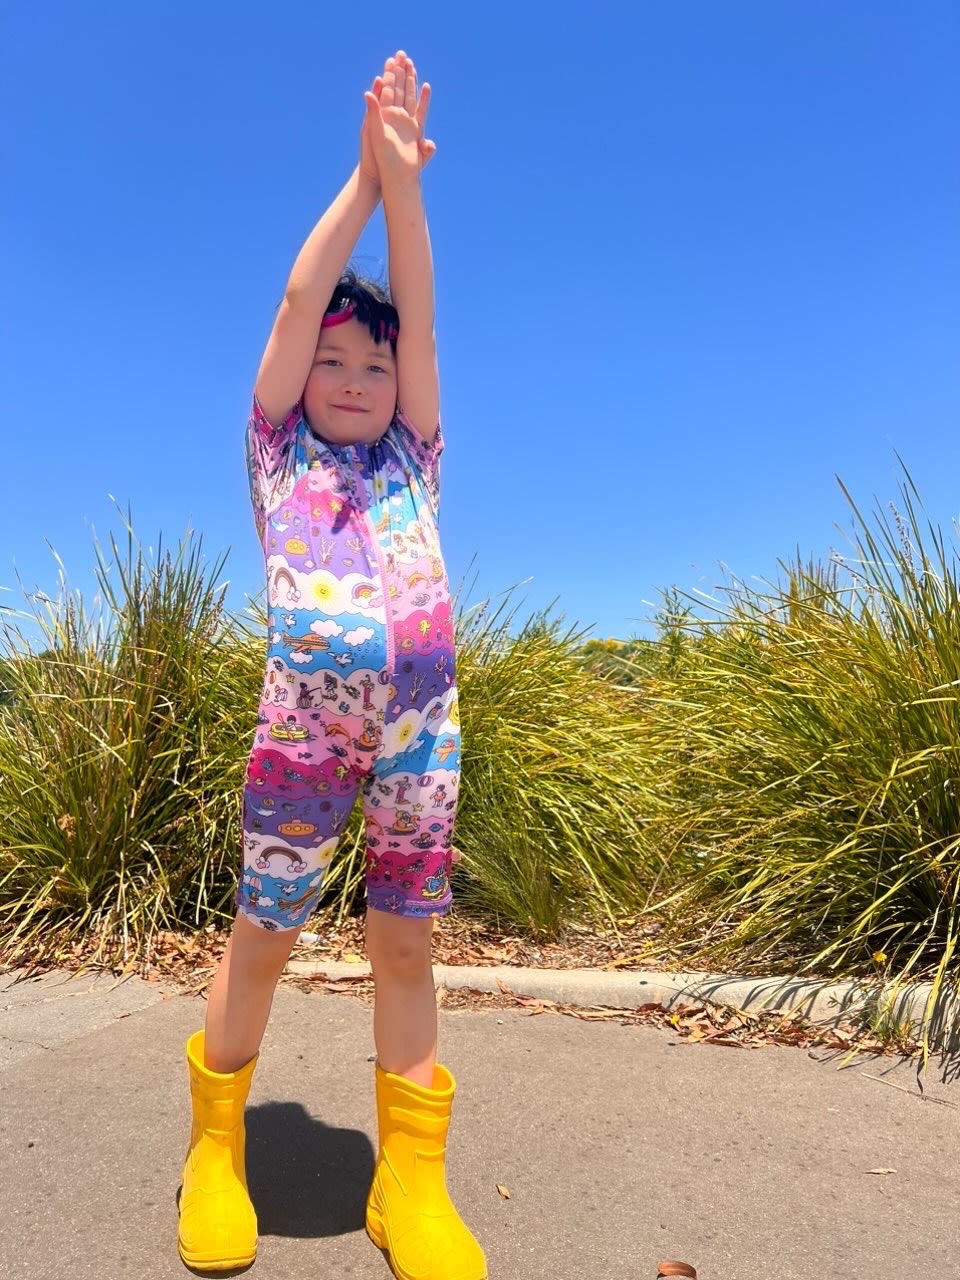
(693,261)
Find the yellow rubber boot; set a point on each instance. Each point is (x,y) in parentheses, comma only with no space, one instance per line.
(409,1213)
(218,1227)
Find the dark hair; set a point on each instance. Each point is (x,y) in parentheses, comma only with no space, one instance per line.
(370,304)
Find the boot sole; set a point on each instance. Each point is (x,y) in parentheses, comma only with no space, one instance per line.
(206,1262)
(374,1228)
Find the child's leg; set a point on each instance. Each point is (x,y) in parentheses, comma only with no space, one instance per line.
(405,1010)
(241,995)
(409,1211)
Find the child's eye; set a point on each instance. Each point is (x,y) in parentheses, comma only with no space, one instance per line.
(377,368)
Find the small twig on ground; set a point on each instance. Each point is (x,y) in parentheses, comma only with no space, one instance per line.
(920,1097)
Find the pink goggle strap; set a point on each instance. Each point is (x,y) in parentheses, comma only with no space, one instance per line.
(338,317)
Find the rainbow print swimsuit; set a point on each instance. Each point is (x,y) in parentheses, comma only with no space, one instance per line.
(359,692)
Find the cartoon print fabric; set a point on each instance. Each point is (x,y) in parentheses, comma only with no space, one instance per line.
(359,694)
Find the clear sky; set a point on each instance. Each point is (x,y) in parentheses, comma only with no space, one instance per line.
(693,261)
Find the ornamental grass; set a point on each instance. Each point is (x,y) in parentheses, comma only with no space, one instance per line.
(804,748)
(119,748)
(124,738)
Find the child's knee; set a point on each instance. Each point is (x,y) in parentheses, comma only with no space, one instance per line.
(398,947)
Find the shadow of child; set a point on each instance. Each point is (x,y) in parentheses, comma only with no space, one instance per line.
(306,1179)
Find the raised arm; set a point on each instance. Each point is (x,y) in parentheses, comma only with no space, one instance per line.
(396,125)
(292,344)
(320,263)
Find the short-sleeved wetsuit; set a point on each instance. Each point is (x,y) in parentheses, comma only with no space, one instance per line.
(360,692)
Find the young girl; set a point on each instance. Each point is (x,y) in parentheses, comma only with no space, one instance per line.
(359,697)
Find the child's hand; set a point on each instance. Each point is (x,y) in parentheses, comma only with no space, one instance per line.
(393,132)
(368,163)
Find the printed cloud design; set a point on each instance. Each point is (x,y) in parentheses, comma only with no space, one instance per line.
(275,860)
(405,733)
(327,627)
(322,591)
(358,635)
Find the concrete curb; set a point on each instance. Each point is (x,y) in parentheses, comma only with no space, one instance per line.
(817,1001)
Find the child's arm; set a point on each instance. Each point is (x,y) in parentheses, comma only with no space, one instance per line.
(292,345)
(396,131)
(293,342)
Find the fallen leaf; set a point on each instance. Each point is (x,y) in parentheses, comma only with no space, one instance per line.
(503,1191)
(879,1171)
(494,953)
(352,958)
(534,1006)
(503,987)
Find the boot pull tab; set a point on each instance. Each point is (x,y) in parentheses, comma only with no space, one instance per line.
(676,1269)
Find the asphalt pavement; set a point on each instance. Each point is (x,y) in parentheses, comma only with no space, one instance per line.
(619,1145)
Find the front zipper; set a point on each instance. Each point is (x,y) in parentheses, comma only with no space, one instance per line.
(352,487)
(391,644)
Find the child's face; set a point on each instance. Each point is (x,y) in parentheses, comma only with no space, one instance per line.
(351,392)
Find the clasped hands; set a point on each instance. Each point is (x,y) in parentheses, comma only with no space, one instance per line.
(392,143)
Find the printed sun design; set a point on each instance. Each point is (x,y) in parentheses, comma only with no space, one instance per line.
(405,734)
(323,592)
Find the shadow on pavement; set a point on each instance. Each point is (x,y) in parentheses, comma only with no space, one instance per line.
(307,1179)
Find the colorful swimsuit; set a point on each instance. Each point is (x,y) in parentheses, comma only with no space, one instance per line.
(360,692)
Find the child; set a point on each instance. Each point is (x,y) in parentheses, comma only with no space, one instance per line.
(359,697)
